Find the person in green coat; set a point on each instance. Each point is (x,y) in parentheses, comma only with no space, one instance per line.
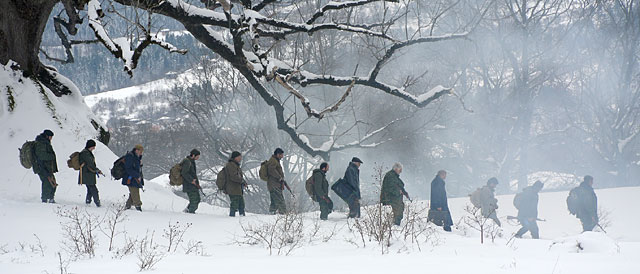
(89,172)
(190,182)
(46,165)
(321,191)
(275,182)
(392,192)
(234,184)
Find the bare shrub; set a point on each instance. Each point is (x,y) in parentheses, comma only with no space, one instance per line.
(63,264)
(476,220)
(283,235)
(3,249)
(417,229)
(37,247)
(195,247)
(113,218)
(174,235)
(149,253)
(127,249)
(604,219)
(78,230)
(375,225)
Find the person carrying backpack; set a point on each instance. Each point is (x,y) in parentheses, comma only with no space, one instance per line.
(485,199)
(190,182)
(587,204)
(527,204)
(321,191)
(133,178)
(276,183)
(393,191)
(45,165)
(234,184)
(88,172)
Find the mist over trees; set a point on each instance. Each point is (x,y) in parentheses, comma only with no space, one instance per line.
(504,88)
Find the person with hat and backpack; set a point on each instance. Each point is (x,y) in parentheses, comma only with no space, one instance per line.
(527,204)
(89,172)
(276,183)
(583,203)
(45,165)
(234,184)
(321,190)
(485,199)
(190,182)
(133,178)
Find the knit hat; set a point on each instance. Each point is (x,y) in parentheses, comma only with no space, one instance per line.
(48,133)
(356,160)
(492,181)
(234,154)
(278,151)
(195,152)
(138,147)
(90,144)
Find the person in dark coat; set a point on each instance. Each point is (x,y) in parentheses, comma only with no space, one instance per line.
(46,165)
(321,191)
(527,205)
(588,209)
(190,182)
(235,184)
(134,179)
(89,172)
(439,201)
(276,183)
(352,177)
(393,191)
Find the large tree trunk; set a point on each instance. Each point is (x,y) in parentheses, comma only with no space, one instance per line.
(22,23)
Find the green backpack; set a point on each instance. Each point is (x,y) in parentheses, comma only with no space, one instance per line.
(221,179)
(27,158)
(74,161)
(263,171)
(308,185)
(175,175)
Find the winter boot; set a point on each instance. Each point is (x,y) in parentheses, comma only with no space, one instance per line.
(52,201)
(241,213)
(232,213)
(97,203)
(139,208)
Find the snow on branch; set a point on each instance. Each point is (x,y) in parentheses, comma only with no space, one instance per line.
(333,5)
(306,104)
(121,47)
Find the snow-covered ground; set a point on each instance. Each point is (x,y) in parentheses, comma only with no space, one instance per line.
(31,234)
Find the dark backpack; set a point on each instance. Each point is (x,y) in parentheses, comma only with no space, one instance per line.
(263,171)
(27,158)
(476,199)
(517,200)
(573,200)
(309,187)
(221,179)
(74,161)
(117,171)
(175,175)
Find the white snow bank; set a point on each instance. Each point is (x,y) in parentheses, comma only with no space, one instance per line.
(588,242)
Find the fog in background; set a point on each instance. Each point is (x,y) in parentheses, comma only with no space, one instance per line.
(543,89)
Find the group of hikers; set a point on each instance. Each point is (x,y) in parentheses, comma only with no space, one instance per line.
(39,154)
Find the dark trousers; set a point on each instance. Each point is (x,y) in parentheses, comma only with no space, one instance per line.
(588,224)
(528,226)
(326,207)
(48,188)
(354,208)
(194,201)
(277,202)
(92,193)
(236,203)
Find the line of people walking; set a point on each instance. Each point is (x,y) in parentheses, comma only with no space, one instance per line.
(39,155)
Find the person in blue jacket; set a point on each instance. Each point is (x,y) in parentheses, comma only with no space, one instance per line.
(134,179)
(352,177)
